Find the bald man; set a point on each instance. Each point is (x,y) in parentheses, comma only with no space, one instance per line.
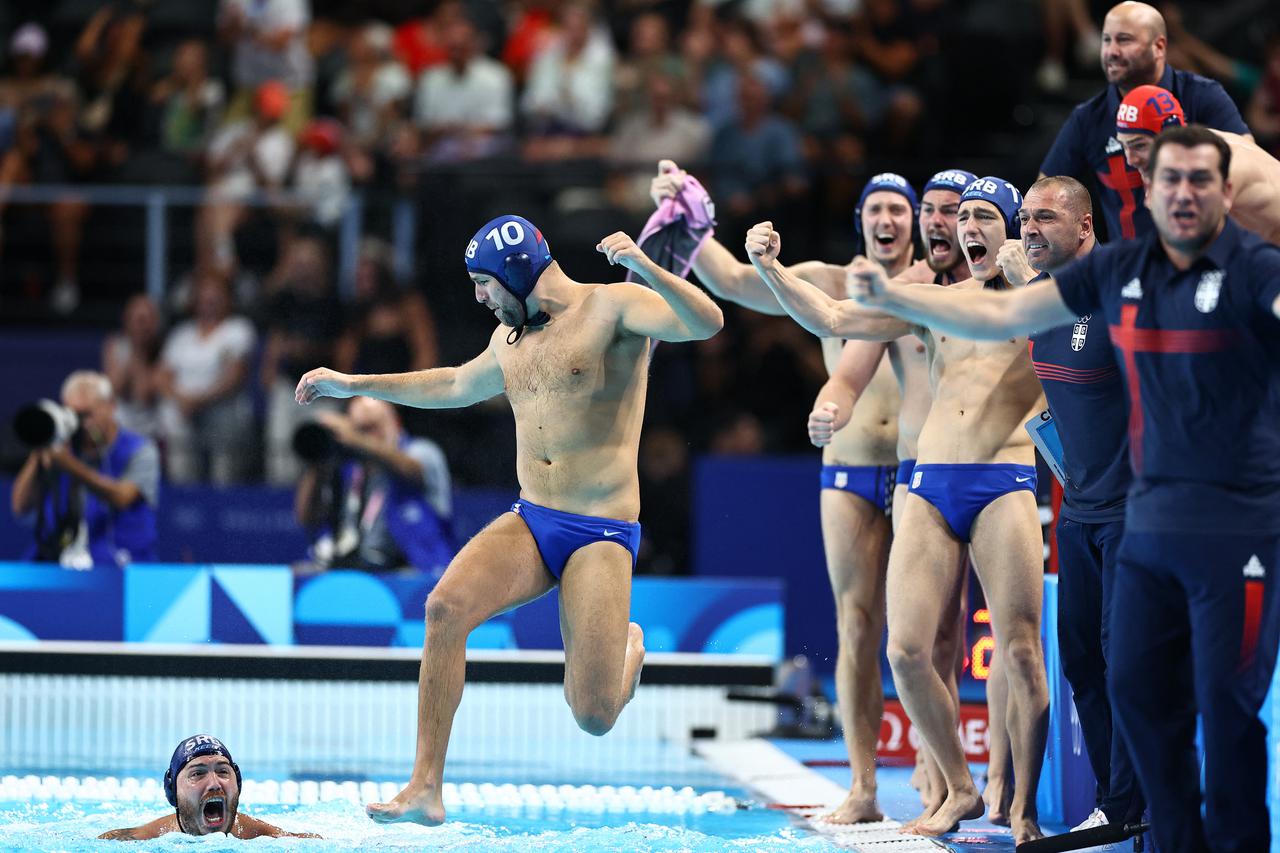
(1133,54)
(1255,175)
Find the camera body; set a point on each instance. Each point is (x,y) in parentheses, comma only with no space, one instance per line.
(315,443)
(45,423)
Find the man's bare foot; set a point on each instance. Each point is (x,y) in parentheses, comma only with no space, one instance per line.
(635,655)
(415,804)
(957,807)
(998,794)
(1025,829)
(930,809)
(856,808)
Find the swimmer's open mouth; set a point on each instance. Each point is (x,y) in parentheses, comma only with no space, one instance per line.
(214,812)
(977,251)
(939,246)
(885,239)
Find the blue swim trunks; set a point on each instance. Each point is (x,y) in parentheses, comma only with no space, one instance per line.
(872,483)
(905,467)
(559,534)
(960,492)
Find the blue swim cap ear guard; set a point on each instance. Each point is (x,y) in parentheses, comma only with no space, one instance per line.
(194,747)
(1003,195)
(512,251)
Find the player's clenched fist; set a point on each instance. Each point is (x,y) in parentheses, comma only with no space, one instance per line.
(822,423)
(1012,260)
(668,183)
(323,382)
(865,282)
(618,248)
(763,245)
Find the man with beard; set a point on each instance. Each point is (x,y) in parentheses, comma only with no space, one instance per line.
(1194,316)
(1087,402)
(1133,54)
(203,785)
(865,422)
(1255,174)
(572,359)
(973,485)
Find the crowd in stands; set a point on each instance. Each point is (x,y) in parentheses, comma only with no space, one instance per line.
(284,110)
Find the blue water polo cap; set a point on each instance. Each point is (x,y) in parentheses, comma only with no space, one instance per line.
(1003,195)
(193,747)
(512,250)
(886,181)
(955,180)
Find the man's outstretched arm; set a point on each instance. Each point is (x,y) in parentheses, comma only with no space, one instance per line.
(808,305)
(436,388)
(975,314)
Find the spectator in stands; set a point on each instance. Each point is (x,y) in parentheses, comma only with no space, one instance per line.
(648,51)
(826,103)
(93,495)
(739,58)
(1189,51)
(268,41)
(887,43)
(391,328)
(114,87)
(462,108)
(1064,20)
(190,102)
(27,82)
(246,157)
(533,24)
(130,358)
(756,158)
(1264,107)
(319,175)
(206,415)
(371,93)
(659,127)
(376,498)
(303,320)
(569,94)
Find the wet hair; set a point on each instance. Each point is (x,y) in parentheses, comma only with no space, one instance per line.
(1192,136)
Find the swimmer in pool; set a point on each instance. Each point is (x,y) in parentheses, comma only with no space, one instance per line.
(203,785)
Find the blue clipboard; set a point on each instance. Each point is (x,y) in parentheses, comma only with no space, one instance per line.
(1044,434)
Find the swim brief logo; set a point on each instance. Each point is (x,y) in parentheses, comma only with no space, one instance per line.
(1079,331)
(611,532)
(1208,289)
(1132,290)
(915,480)
(842,479)
(1021,479)
(1254,568)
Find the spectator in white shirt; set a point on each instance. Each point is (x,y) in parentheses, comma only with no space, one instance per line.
(570,88)
(205,410)
(268,41)
(463,107)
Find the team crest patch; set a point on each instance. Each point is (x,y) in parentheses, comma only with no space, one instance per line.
(1208,289)
(1079,331)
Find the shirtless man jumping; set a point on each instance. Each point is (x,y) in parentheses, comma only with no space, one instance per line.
(864,424)
(1255,174)
(573,362)
(973,483)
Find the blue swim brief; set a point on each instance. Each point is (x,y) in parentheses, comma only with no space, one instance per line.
(872,483)
(559,534)
(905,467)
(960,492)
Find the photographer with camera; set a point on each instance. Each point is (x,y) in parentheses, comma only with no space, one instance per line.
(377,498)
(91,484)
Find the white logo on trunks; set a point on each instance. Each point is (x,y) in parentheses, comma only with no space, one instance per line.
(1021,479)
(1132,290)
(842,479)
(1114,146)
(1208,289)
(1254,569)
(611,532)
(915,481)
(1079,331)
